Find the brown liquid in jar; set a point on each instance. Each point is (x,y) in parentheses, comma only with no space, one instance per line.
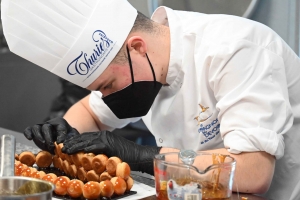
(210,190)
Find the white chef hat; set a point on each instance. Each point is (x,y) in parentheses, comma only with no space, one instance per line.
(74,39)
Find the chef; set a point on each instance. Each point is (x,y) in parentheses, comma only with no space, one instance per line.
(215,83)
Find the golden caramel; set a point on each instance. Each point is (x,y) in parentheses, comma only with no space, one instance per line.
(119,185)
(99,163)
(91,190)
(51,177)
(61,185)
(43,159)
(111,165)
(84,183)
(27,158)
(74,188)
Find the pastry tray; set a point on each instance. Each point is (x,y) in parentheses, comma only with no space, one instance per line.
(61,173)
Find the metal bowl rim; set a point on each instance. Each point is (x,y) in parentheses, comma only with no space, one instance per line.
(28,179)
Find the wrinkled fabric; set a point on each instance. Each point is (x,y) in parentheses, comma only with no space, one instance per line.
(233,83)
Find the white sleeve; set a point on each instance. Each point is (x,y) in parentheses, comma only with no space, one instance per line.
(250,86)
(104,114)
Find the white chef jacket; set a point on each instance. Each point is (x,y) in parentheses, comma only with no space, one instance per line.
(233,83)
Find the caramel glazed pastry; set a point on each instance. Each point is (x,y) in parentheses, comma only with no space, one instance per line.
(82,175)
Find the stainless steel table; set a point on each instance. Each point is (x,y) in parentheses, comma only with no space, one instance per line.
(22,143)
(234,197)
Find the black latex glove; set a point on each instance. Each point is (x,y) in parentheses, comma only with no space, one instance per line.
(44,135)
(139,158)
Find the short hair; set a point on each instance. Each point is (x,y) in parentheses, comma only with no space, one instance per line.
(142,23)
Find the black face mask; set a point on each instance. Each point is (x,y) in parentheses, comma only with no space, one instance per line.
(136,99)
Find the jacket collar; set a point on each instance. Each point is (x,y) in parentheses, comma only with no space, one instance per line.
(166,16)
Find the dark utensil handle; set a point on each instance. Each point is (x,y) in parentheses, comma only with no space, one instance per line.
(8,148)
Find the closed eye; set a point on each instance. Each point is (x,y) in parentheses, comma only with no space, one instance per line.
(106,90)
(109,86)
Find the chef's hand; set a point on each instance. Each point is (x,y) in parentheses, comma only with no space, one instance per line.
(139,158)
(44,135)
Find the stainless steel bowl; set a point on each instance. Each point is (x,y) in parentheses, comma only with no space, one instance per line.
(28,188)
(17,187)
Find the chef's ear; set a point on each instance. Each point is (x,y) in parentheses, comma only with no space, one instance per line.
(137,44)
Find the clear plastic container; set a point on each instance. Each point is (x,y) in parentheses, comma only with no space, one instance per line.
(178,178)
